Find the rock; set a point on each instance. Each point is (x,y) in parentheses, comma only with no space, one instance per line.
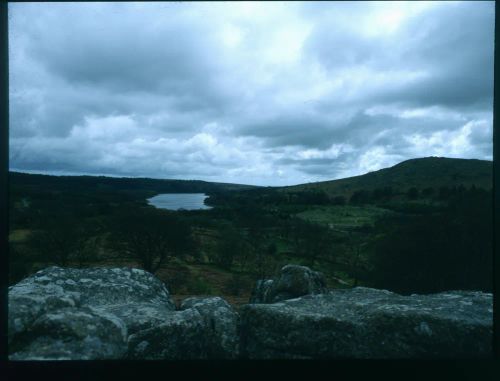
(72,334)
(293,281)
(100,313)
(368,323)
(222,325)
(181,336)
(260,293)
(130,297)
(204,328)
(77,314)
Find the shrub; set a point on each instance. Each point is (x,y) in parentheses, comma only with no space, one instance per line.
(19,265)
(236,285)
(178,280)
(199,286)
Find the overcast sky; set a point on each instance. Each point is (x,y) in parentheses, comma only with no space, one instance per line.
(253,93)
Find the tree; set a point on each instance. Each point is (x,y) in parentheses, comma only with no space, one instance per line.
(257,239)
(444,192)
(230,245)
(338,200)
(360,197)
(428,192)
(61,241)
(88,250)
(151,237)
(265,258)
(377,194)
(354,258)
(387,192)
(403,261)
(437,252)
(20,263)
(312,241)
(412,193)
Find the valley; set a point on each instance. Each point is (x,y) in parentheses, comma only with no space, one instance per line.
(421,226)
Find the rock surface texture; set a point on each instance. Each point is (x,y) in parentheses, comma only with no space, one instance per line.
(122,313)
(64,313)
(223,336)
(100,313)
(293,281)
(204,328)
(369,323)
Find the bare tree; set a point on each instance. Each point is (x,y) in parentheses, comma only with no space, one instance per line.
(151,238)
(355,259)
(63,241)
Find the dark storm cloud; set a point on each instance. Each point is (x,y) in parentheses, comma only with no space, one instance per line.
(92,58)
(263,93)
(315,166)
(122,51)
(289,130)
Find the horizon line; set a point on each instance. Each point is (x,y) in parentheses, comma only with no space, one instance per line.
(83,174)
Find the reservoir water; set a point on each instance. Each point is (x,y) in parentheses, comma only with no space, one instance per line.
(176,201)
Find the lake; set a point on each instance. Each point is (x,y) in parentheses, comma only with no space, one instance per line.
(176,201)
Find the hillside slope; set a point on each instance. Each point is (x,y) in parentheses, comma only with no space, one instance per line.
(24,181)
(420,173)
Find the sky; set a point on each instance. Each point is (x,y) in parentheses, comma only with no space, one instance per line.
(276,93)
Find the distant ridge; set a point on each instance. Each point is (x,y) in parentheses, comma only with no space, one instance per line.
(420,173)
(103,183)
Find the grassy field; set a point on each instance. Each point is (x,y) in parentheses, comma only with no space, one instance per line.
(342,216)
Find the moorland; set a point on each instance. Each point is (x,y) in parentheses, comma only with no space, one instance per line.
(422,226)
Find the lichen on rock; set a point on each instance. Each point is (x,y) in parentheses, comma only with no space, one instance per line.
(130,298)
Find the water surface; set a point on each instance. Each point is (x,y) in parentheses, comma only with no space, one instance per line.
(176,201)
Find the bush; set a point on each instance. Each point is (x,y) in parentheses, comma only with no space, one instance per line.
(360,197)
(412,193)
(237,284)
(199,286)
(339,200)
(428,192)
(178,280)
(19,265)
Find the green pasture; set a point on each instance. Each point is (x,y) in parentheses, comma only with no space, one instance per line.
(344,215)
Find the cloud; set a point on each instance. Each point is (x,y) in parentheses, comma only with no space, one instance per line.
(262,93)
(472,137)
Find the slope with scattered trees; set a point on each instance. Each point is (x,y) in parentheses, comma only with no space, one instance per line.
(424,225)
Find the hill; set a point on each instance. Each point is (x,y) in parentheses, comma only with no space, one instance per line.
(51,183)
(416,242)
(421,173)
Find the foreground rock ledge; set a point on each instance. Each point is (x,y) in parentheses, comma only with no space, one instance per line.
(113,313)
(123,313)
(369,323)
